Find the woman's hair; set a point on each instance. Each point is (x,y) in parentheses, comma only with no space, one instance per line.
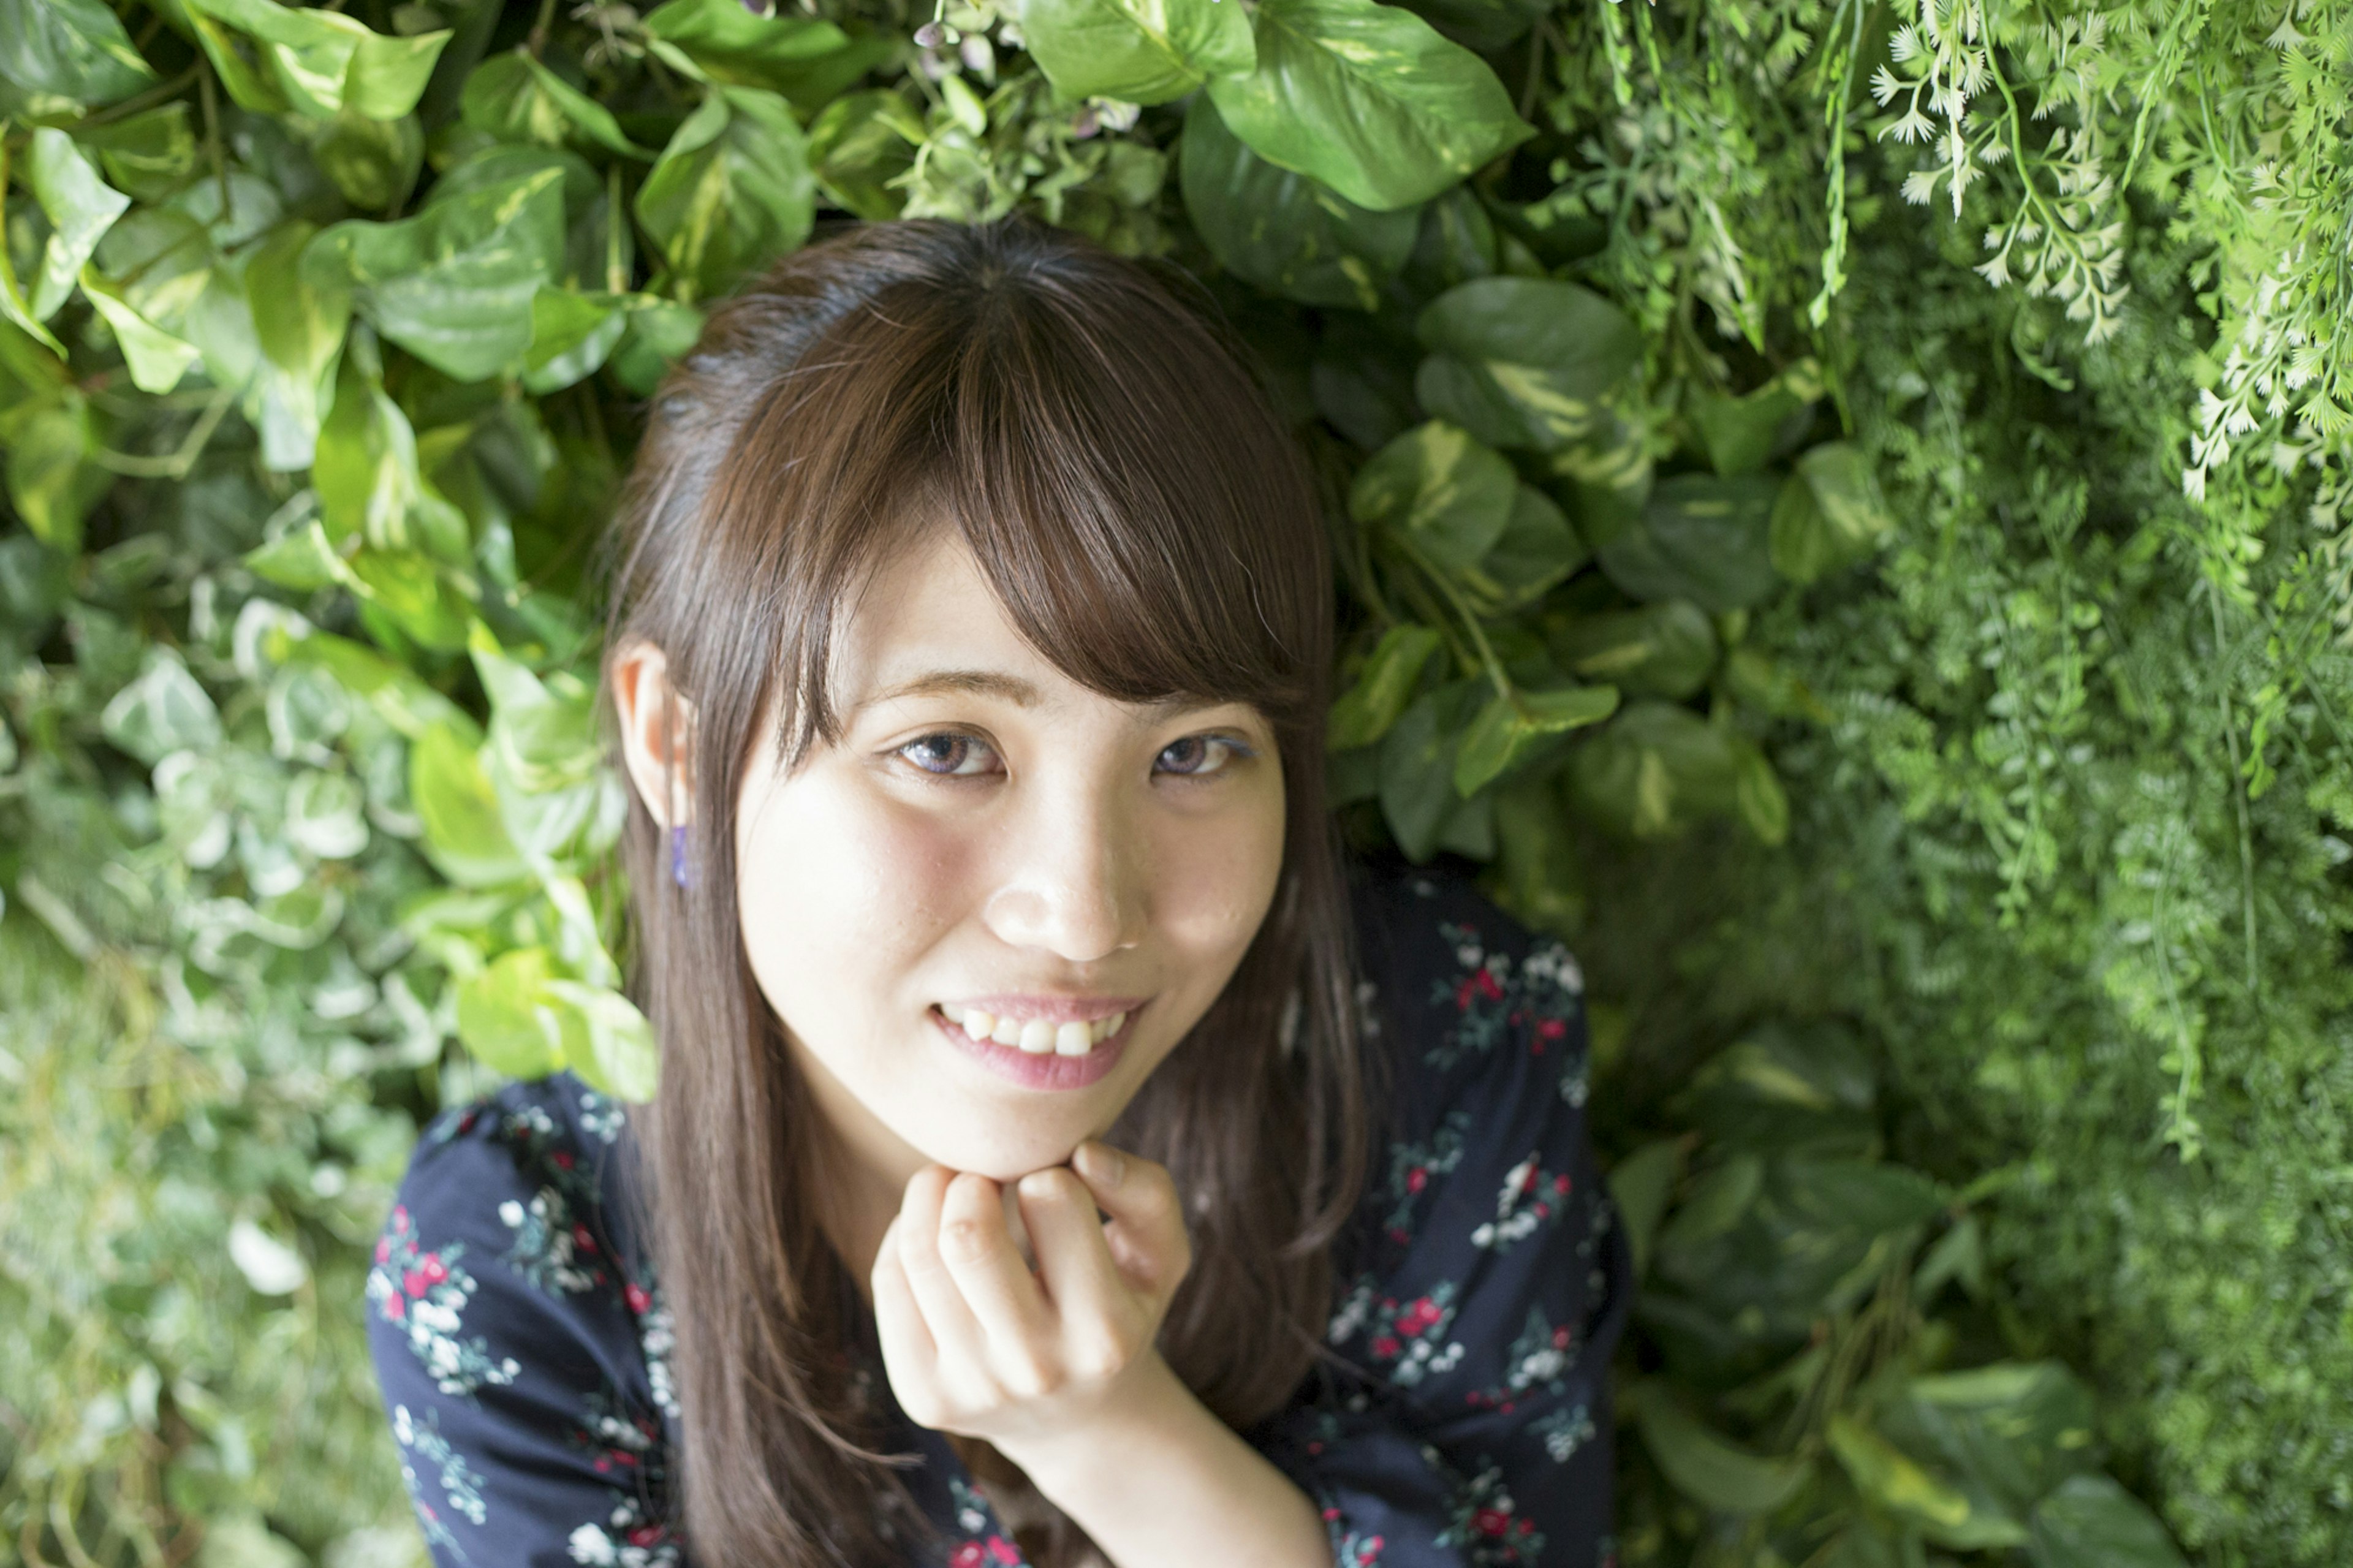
(1152,530)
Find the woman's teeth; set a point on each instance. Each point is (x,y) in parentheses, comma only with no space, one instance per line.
(1035,1035)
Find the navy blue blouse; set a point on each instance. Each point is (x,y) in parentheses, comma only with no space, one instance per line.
(523,1345)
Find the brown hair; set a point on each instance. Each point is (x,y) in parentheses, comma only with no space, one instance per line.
(1152,530)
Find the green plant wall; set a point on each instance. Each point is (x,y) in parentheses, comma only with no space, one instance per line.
(1841,512)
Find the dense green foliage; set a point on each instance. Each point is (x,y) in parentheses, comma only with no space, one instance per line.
(1843,511)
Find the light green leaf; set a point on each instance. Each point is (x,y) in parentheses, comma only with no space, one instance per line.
(302,559)
(1364,713)
(731,191)
(1434,486)
(156,359)
(370,486)
(515,97)
(1828,513)
(71,51)
(325,815)
(859,145)
(313,63)
(373,164)
(454,284)
(162,711)
(1511,723)
(51,480)
(1281,230)
(300,322)
(81,207)
(464,836)
(726,43)
(1368,99)
(1138,51)
(410,588)
(1710,1469)
(505,1018)
(1526,361)
(607,1040)
(572,334)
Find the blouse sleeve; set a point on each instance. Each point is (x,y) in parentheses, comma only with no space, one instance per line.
(510,1349)
(1468,1424)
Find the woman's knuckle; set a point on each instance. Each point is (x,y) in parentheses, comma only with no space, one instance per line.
(964,1241)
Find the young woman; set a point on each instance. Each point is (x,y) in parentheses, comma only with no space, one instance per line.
(1060,1154)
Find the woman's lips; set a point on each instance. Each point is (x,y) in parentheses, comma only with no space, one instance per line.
(1042,1071)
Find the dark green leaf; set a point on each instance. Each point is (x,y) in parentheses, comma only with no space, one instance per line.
(373,164)
(1366,710)
(731,191)
(1485,26)
(1660,650)
(2011,1431)
(51,480)
(1640,1184)
(1896,1482)
(1756,678)
(1740,435)
(515,97)
(1706,1467)
(859,145)
(1527,358)
(1416,790)
(1139,51)
(454,284)
(1281,230)
(1538,550)
(571,335)
(148,155)
(2092,1522)
(1701,539)
(1368,99)
(1436,487)
(1757,797)
(1654,770)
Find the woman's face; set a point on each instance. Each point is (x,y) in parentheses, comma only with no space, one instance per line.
(995,850)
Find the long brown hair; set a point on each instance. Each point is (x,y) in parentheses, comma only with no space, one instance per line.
(1152,530)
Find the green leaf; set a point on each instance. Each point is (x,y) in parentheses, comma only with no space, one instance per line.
(370,486)
(1488,26)
(1417,767)
(464,834)
(859,145)
(1702,538)
(2092,1522)
(1829,514)
(156,359)
(1537,551)
(1138,51)
(313,63)
(1511,723)
(504,1018)
(571,335)
(148,155)
(659,331)
(299,324)
(373,164)
(1660,650)
(733,45)
(1655,770)
(1740,435)
(161,712)
(1434,487)
(1526,360)
(302,559)
(1366,710)
(1706,1468)
(1640,1184)
(454,284)
(81,207)
(607,1040)
(1368,99)
(325,815)
(515,97)
(51,481)
(1896,1482)
(2013,1431)
(1756,678)
(1281,230)
(72,50)
(1757,797)
(410,588)
(731,191)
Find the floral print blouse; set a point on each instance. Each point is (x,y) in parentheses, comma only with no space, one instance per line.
(523,1346)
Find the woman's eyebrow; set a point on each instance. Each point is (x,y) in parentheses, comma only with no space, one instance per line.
(997,683)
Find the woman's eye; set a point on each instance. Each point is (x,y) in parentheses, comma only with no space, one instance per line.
(1196,755)
(947,754)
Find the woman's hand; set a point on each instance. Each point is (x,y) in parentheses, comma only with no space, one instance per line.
(977,1345)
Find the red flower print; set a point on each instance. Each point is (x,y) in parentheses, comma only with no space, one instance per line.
(1491,1522)
(563,1160)
(1386,1347)
(582,1239)
(1560,1183)
(1417,1179)
(969,1555)
(1550,1028)
(1560,1338)
(412,1282)
(431,1267)
(382,1248)
(400,1216)
(1418,1316)
(638,1298)
(1479,985)
(395,1308)
(1002,1550)
(645,1535)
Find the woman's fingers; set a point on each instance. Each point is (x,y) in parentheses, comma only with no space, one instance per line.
(1075,1259)
(953,1329)
(988,1268)
(1146,1234)
(909,1355)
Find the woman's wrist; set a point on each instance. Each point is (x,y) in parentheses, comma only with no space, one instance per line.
(1158,1481)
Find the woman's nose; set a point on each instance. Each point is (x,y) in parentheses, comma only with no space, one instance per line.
(1072,878)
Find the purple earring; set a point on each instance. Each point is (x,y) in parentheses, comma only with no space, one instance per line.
(678,855)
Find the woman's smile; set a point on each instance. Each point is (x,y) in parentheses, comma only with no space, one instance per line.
(1039,1053)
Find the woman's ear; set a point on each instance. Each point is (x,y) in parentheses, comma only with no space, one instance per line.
(657,732)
